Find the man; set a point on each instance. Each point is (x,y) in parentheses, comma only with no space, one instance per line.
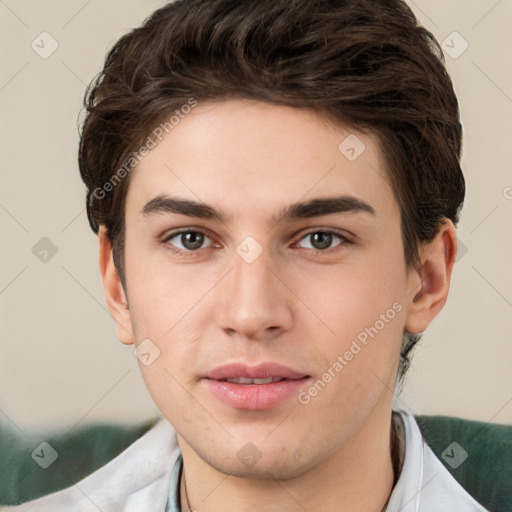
(275,186)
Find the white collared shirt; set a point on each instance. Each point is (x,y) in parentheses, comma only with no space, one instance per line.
(145,478)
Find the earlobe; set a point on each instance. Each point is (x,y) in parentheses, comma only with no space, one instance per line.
(429,285)
(112,286)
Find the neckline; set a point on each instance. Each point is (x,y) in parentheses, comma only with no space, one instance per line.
(398,436)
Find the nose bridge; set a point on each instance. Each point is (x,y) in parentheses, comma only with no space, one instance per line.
(251,277)
(253,302)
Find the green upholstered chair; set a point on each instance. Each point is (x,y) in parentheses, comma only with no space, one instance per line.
(486,474)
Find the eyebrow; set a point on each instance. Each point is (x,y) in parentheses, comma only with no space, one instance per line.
(164,204)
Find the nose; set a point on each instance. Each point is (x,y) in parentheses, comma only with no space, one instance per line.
(255,303)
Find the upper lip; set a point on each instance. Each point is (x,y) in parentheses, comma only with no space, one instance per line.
(260,371)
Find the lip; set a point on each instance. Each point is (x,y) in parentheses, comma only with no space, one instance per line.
(260,371)
(254,397)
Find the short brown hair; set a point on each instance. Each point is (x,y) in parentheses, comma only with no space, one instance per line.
(362,63)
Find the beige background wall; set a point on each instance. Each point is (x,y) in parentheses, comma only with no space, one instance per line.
(60,361)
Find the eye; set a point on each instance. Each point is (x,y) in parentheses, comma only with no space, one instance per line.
(187,241)
(322,240)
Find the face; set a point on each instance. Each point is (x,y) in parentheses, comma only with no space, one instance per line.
(254,238)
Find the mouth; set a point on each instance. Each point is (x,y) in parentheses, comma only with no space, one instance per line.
(253,388)
(260,372)
(247,380)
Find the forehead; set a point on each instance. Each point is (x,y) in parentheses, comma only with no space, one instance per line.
(255,157)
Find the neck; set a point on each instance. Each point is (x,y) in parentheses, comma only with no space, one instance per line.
(358,477)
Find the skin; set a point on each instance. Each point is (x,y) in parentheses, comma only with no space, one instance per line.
(295,304)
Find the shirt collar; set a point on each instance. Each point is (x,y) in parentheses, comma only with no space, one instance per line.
(173,501)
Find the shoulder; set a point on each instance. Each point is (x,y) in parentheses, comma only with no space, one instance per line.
(137,480)
(424,483)
(476,453)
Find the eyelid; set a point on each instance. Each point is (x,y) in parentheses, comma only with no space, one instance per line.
(341,233)
(345,238)
(187,229)
(165,239)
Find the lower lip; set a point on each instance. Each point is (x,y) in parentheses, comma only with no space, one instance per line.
(255,397)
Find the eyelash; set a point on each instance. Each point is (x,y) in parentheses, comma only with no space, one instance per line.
(191,253)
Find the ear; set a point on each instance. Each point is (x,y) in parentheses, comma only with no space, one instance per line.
(428,285)
(114,293)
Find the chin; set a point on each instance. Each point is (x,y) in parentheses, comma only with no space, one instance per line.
(249,462)
(263,470)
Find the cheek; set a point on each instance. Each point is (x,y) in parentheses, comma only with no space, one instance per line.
(161,295)
(361,329)
(361,358)
(348,299)
(164,307)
